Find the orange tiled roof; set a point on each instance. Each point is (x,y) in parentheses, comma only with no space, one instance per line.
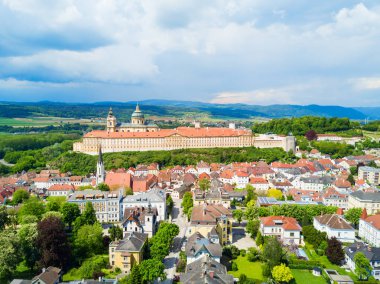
(288,223)
(61,187)
(182,131)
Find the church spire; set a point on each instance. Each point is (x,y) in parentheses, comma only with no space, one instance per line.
(100,171)
(100,158)
(137,107)
(110,113)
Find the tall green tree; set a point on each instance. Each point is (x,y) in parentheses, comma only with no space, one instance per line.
(28,234)
(115,232)
(273,254)
(238,215)
(135,276)
(55,203)
(187,202)
(10,253)
(352,215)
(4,217)
(89,214)
(363,268)
(70,212)
(103,187)
(88,241)
(169,204)
(19,196)
(204,184)
(151,270)
(33,206)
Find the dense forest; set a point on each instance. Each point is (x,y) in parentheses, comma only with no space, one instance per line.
(64,128)
(299,126)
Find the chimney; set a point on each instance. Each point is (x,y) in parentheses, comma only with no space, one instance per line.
(364,214)
(43,269)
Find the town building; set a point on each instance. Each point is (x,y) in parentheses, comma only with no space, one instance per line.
(331,197)
(205,218)
(371,253)
(139,136)
(141,220)
(368,200)
(206,270)
(197,246)
(369,229)
(60,190)
(155,198)
(286,229)
(106,204)
(128,252)
(369,174)
(335,226)
(212,196)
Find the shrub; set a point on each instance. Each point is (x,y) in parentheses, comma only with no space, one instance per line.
(253,254)
(234,266)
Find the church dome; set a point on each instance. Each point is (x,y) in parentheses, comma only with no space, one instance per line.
(137,113)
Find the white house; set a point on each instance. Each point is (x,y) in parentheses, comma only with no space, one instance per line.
(369,229)
(335,226)
(141,220)
(241,179)
(197,246)
(260,184)
(286,228)
(155,198)
(60,190)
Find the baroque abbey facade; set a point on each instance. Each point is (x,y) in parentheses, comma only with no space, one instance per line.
(140,136)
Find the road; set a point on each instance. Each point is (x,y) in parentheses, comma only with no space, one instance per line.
(2,161)
(171,260)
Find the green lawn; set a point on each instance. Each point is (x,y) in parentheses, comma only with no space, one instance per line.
(323,260)
(250,269)
(305,276)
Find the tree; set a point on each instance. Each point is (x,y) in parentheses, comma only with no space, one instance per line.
(354,171)
(4,217)
(253,254)
(351,179)
(115,232)
(238,215)
(10,254)
(276,193)
(19,196)
(250,193)
(169,204)
(52,243)
(334,251)
(135,276)
(253,227)
(273,253)
(55,203)
(313,236)
(70,212)
(103,187)
(128,191)
(282,274)
(204,184)
(352,215)
(363,267)
(89,214)
(187,202)
(28,237)
(33,206)
(162,240)
(52,214)
(151,269)
(231,252)
(259,239)
(311,135)
(88,241)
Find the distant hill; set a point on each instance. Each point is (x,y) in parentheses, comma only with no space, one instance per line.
(181,108)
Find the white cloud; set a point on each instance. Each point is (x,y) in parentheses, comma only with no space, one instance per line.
(370,83)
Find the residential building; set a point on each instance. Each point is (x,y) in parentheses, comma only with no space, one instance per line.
(197,246)
(212,196)
(369,174)
(240,179)
(371,253)
(286,229)
(335,226)
(205,218)
(50,275)
(106,204)
(155,197)
(369,229)
(117,179)
(206,270)
(368,200)
(128,252)
(331,197)
(60,190)
(140,219)
(260,184)
(144,183)
(315,183)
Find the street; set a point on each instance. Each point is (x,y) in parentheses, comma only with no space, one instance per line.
(171,260)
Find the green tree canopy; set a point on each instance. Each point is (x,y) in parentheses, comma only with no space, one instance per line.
(282,274)
(151,269)
(363,267)
(19,196)
(88,241)
(352,215)
(70,212)
(33,206)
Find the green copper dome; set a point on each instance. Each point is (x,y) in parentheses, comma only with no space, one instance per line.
(137,113)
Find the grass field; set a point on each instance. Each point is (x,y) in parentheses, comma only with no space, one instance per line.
(252,270)
(305,276)
(323,260)
(370,134)
(43,121)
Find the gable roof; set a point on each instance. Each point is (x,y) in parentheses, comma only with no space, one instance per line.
(334,221)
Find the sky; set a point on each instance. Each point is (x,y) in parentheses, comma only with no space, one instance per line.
(262,52)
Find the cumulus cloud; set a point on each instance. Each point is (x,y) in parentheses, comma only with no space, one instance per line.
(195,48)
